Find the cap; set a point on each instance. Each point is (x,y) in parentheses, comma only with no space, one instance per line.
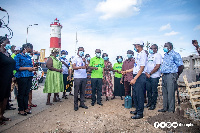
(138,43)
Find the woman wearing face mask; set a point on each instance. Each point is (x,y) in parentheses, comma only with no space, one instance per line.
(7,65)
(107,78)
(24,75)
(118,88)
(54,79)
(88,88)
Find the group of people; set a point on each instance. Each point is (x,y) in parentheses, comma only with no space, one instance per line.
(92,77)
(16,68)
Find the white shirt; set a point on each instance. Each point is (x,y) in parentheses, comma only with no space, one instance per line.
(140,60)
(65,69)
(153,59)
(80,73)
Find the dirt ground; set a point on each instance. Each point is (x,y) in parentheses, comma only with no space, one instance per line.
(111,117)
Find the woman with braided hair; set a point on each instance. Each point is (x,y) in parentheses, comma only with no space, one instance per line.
(7,65)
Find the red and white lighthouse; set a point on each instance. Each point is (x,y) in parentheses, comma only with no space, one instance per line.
(55,36)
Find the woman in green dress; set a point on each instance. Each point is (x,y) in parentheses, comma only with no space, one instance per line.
(54,79)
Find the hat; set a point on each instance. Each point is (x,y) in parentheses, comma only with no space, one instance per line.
(139,43)
(17,48)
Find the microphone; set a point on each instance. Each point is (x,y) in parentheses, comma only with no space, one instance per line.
(2,9)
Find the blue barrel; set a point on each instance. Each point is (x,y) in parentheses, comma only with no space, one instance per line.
(128,102)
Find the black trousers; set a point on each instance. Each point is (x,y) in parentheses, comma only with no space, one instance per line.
(24,86)
(118,88)
(96,84)
(138,93)
(65,81)
(152,91)
(79,84)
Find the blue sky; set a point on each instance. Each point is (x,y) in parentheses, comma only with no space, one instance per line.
(111,25)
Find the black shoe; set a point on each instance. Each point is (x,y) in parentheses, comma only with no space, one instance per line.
(75,108)
(83,106)
(100,104)
(11,104)
(133,112)
(113,98)
(29,112)
(122,104)
(107,99)
(137,117)
(161,110)
(92,104)
(152,107)
(23,114)
(148,105)
(10,108)
(121,98)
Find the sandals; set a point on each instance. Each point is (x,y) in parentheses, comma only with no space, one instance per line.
(33,105)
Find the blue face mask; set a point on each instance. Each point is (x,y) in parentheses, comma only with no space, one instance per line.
(120,60)
(7,47)
(129,56)
(105,58)
(57,55)
(135,49)
(165,49)
(88,58)
(81,53)
(98,54)
(151,51)
(63,56)
(27,54)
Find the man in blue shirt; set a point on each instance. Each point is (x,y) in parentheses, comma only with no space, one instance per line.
(171,68)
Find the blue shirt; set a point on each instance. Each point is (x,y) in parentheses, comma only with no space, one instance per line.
(23,61)
(171,62)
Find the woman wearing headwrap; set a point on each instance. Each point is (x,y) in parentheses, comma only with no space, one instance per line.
(7,65)
(54,79)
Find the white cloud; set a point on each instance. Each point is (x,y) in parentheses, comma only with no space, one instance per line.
(165,27)
(172,33)
(197,27)
(118,8)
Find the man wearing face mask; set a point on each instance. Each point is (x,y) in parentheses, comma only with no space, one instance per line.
(171,68)
(128,64)
(138,80)
(152,71)
(80,77)
(97,67)
(65,68)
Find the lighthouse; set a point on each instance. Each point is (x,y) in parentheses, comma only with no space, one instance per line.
(55,36)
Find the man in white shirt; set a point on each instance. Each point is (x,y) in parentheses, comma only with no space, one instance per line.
(138,81)
(152,71)
(80,77)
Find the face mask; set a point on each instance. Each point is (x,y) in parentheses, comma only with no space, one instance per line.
(57,55)
(151,51)
(81,53)
(135,49)
(165,49)
(7,47)
(129,55)
(98,54)
(63,56)
(31,56)
(27,54)
(88,58)
(105,58)
(120,60)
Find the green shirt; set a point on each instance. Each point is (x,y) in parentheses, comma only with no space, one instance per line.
(97,62)
(118,66)
(13,56)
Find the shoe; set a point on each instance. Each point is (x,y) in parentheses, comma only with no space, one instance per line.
(92,104)
(100,104)
(148,105)
(137,117)
(11,104)
(107,99)
(133,112)
(75,108)
(113,98)
(152,107)
(121,98)
(29,112)
(122,104)
(23,114)
(33,105)
(83,106)
(161,110)
(10,108)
